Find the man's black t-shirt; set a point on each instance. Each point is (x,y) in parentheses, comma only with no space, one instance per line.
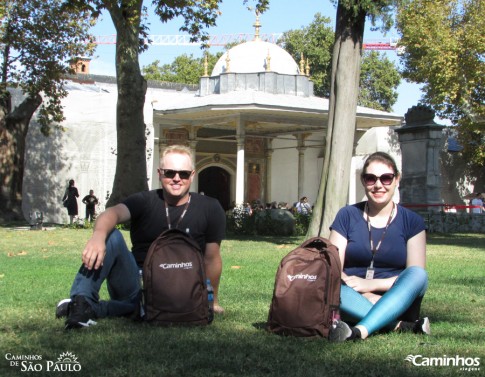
(204,220)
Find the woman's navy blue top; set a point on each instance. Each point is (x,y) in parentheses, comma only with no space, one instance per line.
(390,259)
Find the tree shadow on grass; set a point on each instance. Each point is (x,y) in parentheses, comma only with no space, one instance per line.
(119,347)
(469,240)
(278,240)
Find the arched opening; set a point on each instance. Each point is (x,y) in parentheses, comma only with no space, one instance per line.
(216,182)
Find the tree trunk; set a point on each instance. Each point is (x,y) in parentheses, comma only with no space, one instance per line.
(333,191)
(13,132)
(131,171)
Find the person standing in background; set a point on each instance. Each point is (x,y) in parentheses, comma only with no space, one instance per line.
(90,201)
(303,206)
(477,204)
(70,201)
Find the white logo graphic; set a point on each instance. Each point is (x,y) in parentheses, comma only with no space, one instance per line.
(310,278)
(464,363)
(411,358)
(66,362)
(182,265)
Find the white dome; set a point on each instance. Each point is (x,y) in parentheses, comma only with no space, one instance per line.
(250,57)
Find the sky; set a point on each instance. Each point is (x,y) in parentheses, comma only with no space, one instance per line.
(282,15)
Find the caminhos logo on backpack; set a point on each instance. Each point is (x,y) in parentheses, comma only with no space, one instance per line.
(181,265)
(307,277)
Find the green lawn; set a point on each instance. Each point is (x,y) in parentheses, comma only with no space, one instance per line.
(37,268)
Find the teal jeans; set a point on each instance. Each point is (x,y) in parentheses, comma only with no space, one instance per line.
(406,293)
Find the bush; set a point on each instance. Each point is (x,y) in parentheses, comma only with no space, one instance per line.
(271,222)
(302,222)
(275,222)
(240,222)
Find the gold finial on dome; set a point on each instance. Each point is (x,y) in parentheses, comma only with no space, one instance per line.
(302,65)
(268,60)
(307,68)
(228,61)
(257,26)
(206,65)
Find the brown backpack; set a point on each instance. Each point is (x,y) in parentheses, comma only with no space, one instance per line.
(306,296)
(174,282)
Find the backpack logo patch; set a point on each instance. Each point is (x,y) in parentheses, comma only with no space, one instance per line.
(309,278)
(181,265)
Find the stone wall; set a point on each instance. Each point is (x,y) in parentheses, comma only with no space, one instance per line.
(441,222)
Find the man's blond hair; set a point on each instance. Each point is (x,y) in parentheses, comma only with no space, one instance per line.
(180,149)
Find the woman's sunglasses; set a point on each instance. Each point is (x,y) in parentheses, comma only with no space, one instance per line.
(183,174)
(371,179)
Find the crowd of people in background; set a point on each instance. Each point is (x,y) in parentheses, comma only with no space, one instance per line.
(299,207)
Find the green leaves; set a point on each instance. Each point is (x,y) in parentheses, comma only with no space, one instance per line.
(315,42)
(379,80)
(445,49)
(379,77)
(184,69)
(38,38)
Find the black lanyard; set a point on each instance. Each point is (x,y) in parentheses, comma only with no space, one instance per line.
(167,214)
(371,241)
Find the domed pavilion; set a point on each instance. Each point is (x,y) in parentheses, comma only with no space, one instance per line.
(257,130)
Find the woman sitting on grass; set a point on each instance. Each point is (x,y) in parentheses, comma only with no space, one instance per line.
(382,247)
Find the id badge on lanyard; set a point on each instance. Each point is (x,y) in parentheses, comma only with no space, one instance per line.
(369,275)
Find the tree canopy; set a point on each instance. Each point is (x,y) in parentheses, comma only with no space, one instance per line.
(379,78)
(315,42)
(184,69)
(444,49)
(37,38)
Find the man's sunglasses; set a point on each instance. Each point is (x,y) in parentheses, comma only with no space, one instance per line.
(371,179)
(183,174)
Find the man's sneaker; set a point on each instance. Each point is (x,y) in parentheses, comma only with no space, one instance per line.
(81,314)
(62,308)
(421,326)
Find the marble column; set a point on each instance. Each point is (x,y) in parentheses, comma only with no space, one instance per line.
(267,187)
(192,130)
(240,138)
(301,163)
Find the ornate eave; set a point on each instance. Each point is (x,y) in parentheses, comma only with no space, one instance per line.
(264,114)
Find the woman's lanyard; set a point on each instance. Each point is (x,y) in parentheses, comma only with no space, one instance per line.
(167,214)
(370,270)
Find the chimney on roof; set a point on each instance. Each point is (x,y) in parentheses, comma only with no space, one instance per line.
(80,65)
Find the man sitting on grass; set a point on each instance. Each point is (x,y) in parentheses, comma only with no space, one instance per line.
(106,256)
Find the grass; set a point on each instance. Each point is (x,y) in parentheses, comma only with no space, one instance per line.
(37,268)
